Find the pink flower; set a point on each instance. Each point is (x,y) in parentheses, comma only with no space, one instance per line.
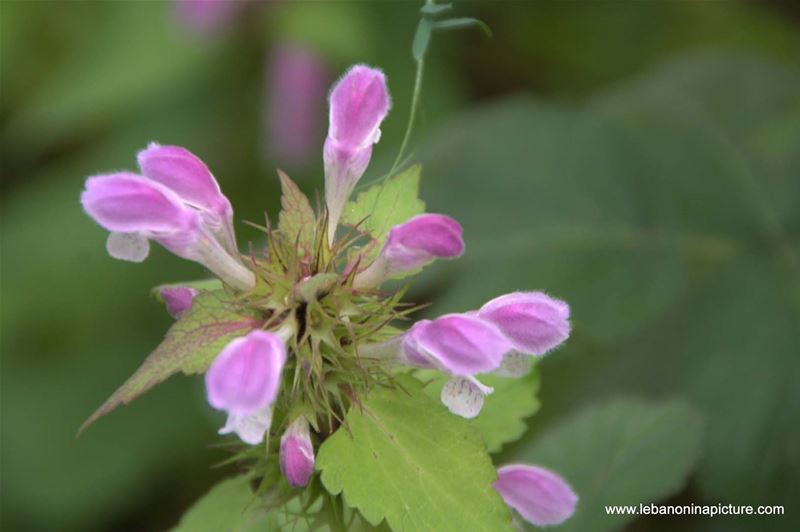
(244,381)
(533,322)
(358,104)
(177,203)
(413,244)
(540,496)
(297,453)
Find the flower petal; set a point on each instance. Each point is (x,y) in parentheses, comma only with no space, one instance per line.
(463,345)
(464,397)
(185,174)
(358,104)
(132,247)
(539,495)
(533,321)
(246,375)
(250,428)
(129,203)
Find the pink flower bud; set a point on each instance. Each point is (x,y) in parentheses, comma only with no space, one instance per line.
(297,453)
(178,299)
(244,381)
(540,496)
(413,244)
(457,344)
(534,322)
(358,104)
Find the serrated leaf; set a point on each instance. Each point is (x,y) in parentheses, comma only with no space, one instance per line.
(406,459)
(614,454)
(296,221)
(502,419)
(386,204)
(190,346)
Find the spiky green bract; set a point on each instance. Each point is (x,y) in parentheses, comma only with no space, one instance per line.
(407,460)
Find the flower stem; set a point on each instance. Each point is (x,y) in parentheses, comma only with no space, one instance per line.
(412,114)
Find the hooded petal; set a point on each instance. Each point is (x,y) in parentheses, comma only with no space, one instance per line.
(129,203)
(461,345)
(185,174)
(358,104)
(246,375)
(542,497)
(533,321)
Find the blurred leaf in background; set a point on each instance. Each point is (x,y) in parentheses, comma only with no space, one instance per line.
(666,218)
(664,209)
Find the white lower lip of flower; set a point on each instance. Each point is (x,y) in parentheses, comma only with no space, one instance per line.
(463,396)
(250,428)
(131,247)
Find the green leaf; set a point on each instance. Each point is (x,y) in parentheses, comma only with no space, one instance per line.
(190,346)
(297,222)
(614,454)
(230,506)
(386,204)
(502,419)
(411,462)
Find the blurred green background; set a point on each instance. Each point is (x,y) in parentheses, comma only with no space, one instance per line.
(639,159)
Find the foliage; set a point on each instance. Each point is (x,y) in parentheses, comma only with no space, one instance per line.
(406,459)
(666,214)
(613,453)
(189,346)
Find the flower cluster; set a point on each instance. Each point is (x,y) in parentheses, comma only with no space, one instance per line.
(325,317)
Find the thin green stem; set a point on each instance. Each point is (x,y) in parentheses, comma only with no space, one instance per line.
(412,114)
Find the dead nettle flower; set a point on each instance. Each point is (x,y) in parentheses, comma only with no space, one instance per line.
(297,453)
(358,104)
(414,244)
(540,496)
(499,338)
(177,203)
(244,381)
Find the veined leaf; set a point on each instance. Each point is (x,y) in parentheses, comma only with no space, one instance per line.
(406,459)
(296,221)
(189,346)
(386,204)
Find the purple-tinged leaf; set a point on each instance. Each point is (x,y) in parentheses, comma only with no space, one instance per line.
(189,346)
